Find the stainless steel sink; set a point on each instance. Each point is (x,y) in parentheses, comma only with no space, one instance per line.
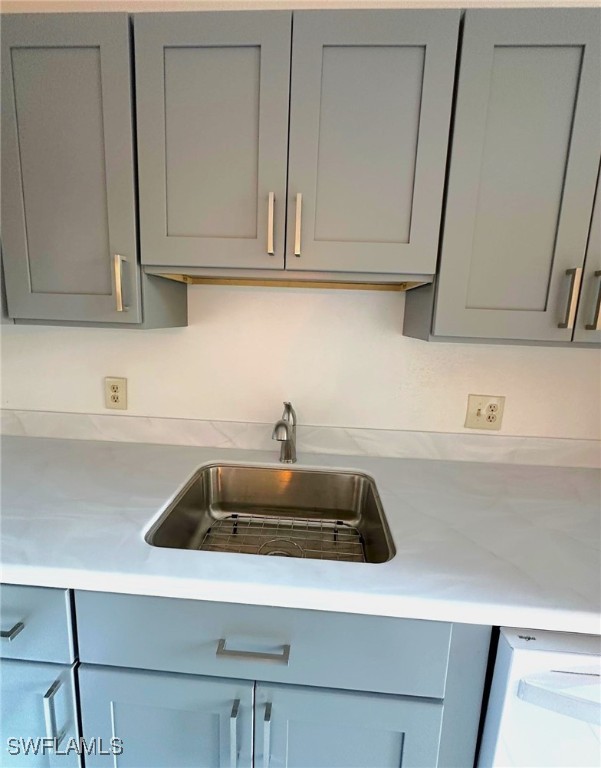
(314,514)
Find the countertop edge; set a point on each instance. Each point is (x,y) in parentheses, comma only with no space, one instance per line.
(404,607)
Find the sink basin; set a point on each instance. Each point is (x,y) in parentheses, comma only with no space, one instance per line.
(315,514)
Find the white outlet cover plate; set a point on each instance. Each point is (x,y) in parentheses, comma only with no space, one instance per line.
(115,393)
(485,411)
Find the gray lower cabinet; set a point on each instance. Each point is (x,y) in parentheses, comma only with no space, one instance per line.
(155,719)
(523,168)
(68,198)
(180,721)
(311,728)
(37,703)
(212,101)
(188,683)
(186,721)
(370,110)
(38,709)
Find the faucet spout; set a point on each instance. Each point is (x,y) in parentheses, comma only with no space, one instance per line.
(284,432)
(281,431)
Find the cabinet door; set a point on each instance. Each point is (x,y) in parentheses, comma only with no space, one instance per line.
(67,168)
(36,702)
(212,98)
(316,728)
(369,124)
(522,175)
(180,721)
(588,319)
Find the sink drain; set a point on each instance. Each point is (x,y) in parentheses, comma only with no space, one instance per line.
(280,548)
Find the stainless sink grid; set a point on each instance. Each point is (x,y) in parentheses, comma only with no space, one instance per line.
(285,537)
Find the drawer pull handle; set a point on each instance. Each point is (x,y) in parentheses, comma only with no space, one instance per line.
(280,658)
(50,714)
(575,276)
(596,324)
(10,634)
(234,733)
(267,736)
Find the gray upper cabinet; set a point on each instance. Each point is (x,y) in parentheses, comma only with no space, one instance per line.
(523,169)
(68,205)
(369,123)
(370,105)
(588,319)
(212,105)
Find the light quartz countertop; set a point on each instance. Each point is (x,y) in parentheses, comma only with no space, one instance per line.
(478,543)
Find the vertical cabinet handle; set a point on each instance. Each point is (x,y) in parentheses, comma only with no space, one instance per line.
(10,634)
(297,224)
(575,276)
(50,714)
(596,324)
(234,733)
(270,224)
(118,270)
(267,736)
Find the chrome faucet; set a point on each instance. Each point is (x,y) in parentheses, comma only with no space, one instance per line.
(285,432)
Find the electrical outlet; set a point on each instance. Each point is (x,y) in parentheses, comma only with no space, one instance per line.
(484,411)
(115,393)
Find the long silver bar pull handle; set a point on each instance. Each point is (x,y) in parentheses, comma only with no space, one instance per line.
(50,714)
(596,324)
(279,658)
(267,736)
(234,733)
(297,224)
(10,634)
(118,269)
(270,223)
(575,280)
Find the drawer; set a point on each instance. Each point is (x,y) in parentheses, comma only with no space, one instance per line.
(44,614)
(333,650)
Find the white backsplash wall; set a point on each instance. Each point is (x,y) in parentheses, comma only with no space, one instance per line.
(338,355)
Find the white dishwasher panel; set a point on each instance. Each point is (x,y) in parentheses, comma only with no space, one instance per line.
(545,703)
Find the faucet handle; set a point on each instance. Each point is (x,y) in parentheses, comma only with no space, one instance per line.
(289,413)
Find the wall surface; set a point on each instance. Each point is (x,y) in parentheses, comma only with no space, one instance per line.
(338,355)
